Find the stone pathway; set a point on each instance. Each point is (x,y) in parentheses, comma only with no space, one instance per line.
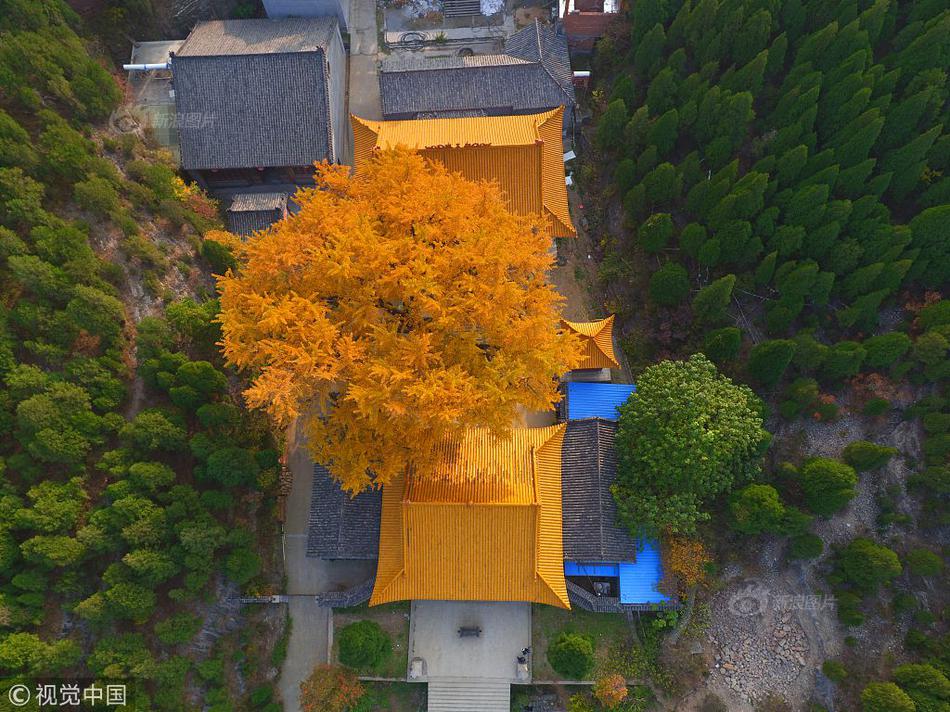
(364,47)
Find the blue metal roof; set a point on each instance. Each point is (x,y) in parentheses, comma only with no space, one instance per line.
(594,570)
(638,581)
(596,400)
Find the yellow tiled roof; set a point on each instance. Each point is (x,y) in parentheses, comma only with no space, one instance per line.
(488,529)
(522,153)
(598,342)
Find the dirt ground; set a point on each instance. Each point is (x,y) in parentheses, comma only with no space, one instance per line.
(524,16)
(576,272)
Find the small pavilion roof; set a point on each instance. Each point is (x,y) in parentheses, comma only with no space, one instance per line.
(598,342)
(524,154)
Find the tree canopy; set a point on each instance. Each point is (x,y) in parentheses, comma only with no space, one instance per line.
(686,435)
(397,307)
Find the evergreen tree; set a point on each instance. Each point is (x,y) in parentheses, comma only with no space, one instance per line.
(907,163)
(610,128)
(886,697)
(692,239)
(669,285)
(768,361)
(828,485)
(710,302)
(663,132)
(625,90)
(931,235)
(655,232)
(722,345)
(647,55)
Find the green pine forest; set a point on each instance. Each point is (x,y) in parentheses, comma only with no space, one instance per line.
(768,183)
(135,491)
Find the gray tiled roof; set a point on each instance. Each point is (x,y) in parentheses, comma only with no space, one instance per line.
(342,527)
(250,212)
(588,468)
(219,38)
(461,114)
(538,43)
(245,202)
(533,75)
(253,93)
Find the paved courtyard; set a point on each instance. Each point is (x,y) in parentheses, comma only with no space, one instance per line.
(433,636)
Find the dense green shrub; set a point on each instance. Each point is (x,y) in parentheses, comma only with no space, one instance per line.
(801,394)
(179,628)
(834,671)
(866,564)
(923,562)
(242,565)
(96,195)
(710,302)
(886,697)
(805,546)
(927,686)
(842,360)
(669,285)
(849,608)
(768,361)
(571,655)
(875,407)
(756,508)
(218,256)
(655,232)
(862,455)
(809,353)
(723,345)
(885,349)
(364,645)
(828,485)
(933,315)
(692,239)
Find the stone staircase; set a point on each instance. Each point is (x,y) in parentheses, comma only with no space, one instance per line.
(459,694)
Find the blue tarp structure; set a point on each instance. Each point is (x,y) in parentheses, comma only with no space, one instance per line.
(638,580)
(598,570)
(596,400)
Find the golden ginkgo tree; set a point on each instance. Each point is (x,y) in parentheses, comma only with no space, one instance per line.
(397,307)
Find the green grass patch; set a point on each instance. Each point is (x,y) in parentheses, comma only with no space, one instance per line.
(615,647)
(392,618)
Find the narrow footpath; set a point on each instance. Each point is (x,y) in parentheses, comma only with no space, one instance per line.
(307,646)
(364,50)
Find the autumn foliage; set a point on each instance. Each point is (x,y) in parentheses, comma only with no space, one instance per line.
(684,561)
(330,689)
(399,306)
(610,690)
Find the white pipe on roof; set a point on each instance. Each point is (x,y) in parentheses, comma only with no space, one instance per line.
(581,73)
(145,67)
